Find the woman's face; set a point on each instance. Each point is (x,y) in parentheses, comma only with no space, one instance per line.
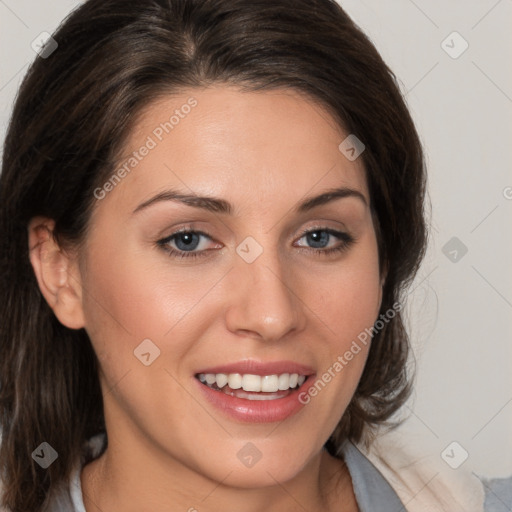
(247,292)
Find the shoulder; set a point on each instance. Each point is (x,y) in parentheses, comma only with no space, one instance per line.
(421,478)
(498,494)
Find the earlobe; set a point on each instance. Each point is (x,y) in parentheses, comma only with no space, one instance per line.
(56,273)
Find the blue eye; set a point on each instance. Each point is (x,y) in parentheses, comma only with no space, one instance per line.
(319,238)
(187,241)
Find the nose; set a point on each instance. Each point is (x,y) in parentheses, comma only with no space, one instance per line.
(264,303)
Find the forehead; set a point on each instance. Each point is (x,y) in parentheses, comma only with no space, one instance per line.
(221,141)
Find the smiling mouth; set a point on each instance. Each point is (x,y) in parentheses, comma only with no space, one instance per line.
(253,387)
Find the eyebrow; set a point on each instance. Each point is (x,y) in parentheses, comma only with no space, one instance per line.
(217,205)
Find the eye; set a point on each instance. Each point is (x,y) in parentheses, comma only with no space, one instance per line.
(186,242)
(320,237)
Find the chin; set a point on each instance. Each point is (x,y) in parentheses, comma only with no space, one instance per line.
(255,468)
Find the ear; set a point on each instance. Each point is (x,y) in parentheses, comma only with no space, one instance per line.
(57,273)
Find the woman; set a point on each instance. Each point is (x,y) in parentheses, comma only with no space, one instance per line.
(210,211)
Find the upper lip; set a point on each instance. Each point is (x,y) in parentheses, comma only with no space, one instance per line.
(252,367)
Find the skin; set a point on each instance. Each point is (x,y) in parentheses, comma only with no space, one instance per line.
(170,449)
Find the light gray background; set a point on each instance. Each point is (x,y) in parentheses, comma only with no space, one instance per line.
(460,312)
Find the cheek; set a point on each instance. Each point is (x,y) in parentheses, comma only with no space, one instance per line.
(347,304)
(348,299)
(130,297)
(133,294)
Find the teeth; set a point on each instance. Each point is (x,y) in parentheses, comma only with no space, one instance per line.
(254,383)
(283,382)
(251,383)
(221,379)
(235,381)
(270,383)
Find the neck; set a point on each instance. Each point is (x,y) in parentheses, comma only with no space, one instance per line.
(138,478)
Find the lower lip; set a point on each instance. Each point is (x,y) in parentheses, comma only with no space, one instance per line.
(255,411)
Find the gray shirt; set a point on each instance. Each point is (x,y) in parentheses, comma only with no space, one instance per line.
(498,494)
(372,490)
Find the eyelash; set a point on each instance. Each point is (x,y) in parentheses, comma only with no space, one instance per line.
(346,241)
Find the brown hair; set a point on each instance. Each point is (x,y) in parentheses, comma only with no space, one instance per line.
(71,117)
